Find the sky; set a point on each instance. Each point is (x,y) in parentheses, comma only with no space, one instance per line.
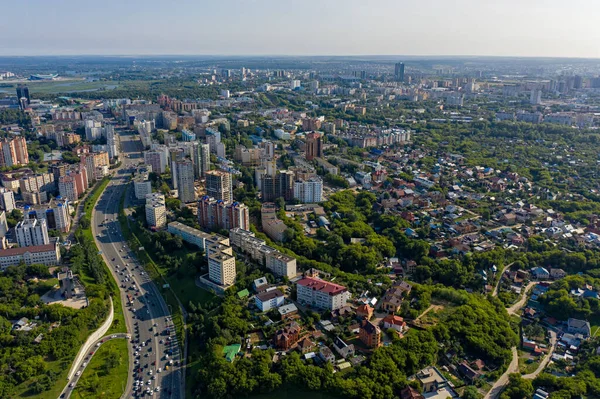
(553,28)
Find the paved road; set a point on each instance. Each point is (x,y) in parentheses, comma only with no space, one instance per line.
(66,393)
(499,385)
(154,344)
(495,293)
(514,364)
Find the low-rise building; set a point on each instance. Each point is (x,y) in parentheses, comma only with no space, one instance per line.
(268,300)
(48,255)
(342,348)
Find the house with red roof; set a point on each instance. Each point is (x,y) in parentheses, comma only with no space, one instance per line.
(394,322)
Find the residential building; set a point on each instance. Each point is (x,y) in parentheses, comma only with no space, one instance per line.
(38,182)
(14,152)
(157,160)
(576,326)
(369,334)
(219,185)
(280,264)
(215,214)
(287,311)
(394,322)
(286,337)
(48,255)
(278,185)
(268,300)
(68,188)
(321,294)
(3,224)
(32,232)
(142,186)
(112,141)
(309,191)
(156,211)
(221,268)
(185,180)
(201,159)
(343,349)
(7,199)
(196,237)
(271,225)
(314,146)
(56,213)
(93,129)
(364,311)
(326,355)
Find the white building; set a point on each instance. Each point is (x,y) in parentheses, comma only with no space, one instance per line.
(321,294)
(142,186)
(7,199)
(3,224)
(112,141)
(309,191)
(268,300)
(48,255)
(156,211)
(32,232)
(93,129)
(536,96)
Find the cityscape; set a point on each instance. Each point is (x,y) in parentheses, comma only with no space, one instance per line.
(182,225)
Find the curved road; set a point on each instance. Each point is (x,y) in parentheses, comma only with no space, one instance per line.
(513,367)
(66,393)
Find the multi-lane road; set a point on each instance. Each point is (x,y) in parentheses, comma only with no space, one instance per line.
(154,354)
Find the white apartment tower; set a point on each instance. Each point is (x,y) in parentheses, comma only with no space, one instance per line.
(32,232)
(185,180)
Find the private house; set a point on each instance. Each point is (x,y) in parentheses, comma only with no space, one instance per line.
(370,334)
(468,373)
(557,273)
(394,322)
(540,273)
(410,393)
(576,326)
(306,346)
(287,311)
(392,300)
(364,312)
(342,348)
(326,355)
(287,336)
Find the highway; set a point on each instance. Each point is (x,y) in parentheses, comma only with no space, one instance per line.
(154,352)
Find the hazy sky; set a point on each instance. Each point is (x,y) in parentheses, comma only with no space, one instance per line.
(303,27)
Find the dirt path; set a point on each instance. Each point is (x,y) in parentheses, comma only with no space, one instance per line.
(546,360)
(521,302)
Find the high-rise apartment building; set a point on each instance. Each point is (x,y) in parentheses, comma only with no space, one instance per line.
(314,146)
(7,199)
(93,129)
(399,72)
(156,211)
(279,185)
(185,180)
(213,214)
(68,188)
(157,160)
(201,159)
(56,213)
(14,152)
(112,141)
(309,191)
(219,185)
(32,232)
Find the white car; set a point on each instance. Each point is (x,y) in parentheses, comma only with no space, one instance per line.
(157,389)
(78,373)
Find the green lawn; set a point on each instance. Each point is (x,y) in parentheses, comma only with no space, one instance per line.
(99,380)
(527,364)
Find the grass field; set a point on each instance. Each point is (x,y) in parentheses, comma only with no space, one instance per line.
(99,381)
(59,366)
(527,363)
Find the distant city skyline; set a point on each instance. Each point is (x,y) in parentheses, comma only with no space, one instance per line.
(536,28)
